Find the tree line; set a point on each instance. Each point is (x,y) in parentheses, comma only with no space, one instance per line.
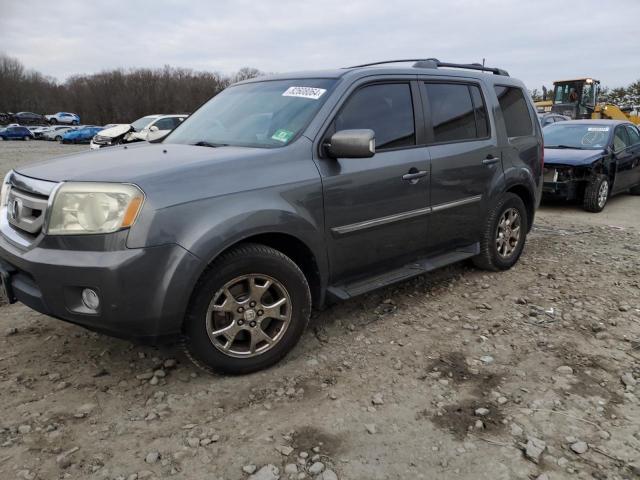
(114,96)
(628,96)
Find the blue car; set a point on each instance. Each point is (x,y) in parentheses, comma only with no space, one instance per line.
(16,133)
(81,135)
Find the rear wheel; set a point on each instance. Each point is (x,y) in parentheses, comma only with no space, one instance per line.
(504,234)
(53,121)
(596,194)
(635,190)
(247,312)
(26,138)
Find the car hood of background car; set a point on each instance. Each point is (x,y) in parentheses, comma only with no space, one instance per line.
(116,131)
(571,156)
(140,164)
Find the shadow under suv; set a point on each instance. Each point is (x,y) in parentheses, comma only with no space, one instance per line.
(278,195)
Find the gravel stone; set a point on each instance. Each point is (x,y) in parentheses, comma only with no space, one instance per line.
(316,468)
(371,428)
(564,370)
(152,457)
(579,447)
(268,472)
(534,449)
(482,412)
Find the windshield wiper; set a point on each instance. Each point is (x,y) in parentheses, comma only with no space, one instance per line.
(203,143)
(562,146)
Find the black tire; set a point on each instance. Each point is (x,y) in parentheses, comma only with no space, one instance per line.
(592,200)
(26,139)
(246,259)
(58,139)
(53,121)
(635,190)
(490,258)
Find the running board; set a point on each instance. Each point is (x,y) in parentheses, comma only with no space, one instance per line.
(348,290)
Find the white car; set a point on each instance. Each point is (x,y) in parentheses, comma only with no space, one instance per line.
(63,118)
(146,128)
(56,133)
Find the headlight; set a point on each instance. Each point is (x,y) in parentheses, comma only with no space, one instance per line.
(6,186)
(85,208)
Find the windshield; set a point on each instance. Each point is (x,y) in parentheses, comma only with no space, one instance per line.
(580,136)
(265,114)
(142,122)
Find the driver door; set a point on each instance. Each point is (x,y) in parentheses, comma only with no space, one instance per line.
(376,209)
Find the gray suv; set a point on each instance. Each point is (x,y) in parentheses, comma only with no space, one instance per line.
(279,195)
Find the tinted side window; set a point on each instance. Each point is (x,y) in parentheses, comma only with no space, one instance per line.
(386,109)
(634,136)
(452,112)
(482,119)
(620,139)
(515,111)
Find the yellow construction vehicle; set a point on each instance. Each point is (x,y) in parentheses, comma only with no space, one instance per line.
(578,99)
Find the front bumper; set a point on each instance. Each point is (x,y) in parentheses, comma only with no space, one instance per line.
(143,292)
(567,190)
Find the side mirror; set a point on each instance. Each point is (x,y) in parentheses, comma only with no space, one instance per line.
(352,144)
(153,129)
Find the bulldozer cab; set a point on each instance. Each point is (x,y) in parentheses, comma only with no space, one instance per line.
(575,98)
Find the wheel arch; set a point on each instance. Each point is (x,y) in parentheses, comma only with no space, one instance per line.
(528,199)
(299,251)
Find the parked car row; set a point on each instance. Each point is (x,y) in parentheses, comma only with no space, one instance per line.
(30,118)
(58,133)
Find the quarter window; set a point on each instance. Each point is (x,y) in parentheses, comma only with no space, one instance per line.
(514,111)
(387,109)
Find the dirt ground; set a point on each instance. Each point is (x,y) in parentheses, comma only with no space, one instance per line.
(526,374)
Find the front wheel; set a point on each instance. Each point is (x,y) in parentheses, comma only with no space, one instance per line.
(53,121)
(504,234)
(596,194)
(247,312)
(26,138)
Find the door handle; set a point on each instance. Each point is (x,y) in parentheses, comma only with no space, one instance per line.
(414,175)
(490,160)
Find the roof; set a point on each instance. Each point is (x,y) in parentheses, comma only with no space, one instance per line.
(596,122)
(422,67)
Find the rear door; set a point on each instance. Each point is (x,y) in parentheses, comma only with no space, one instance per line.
(634,148)
(375,214)
(465,160)
(624,159)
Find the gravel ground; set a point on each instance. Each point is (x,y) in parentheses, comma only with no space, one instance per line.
(461,374)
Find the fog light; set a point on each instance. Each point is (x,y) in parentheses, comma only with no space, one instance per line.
(90,299)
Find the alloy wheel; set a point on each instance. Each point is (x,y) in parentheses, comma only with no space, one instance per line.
(508,232)
(248,315)
(603,193)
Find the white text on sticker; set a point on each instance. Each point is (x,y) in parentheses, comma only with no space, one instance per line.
(304,92)
(598,129)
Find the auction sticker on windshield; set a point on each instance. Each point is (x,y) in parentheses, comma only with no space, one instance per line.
(304,92)
(598,129)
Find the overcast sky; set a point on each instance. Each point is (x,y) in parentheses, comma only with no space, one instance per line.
(537,41)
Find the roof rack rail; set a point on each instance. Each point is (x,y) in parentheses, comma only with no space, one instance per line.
(435,63)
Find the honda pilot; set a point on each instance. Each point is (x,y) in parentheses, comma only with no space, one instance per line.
(279,195)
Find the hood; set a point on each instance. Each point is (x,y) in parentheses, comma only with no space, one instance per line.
(138,163)
(118,130)
(570,156)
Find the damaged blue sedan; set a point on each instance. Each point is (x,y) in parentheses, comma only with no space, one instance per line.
(590,161)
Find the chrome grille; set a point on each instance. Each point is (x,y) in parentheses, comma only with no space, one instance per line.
(26,211)
(27,203)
